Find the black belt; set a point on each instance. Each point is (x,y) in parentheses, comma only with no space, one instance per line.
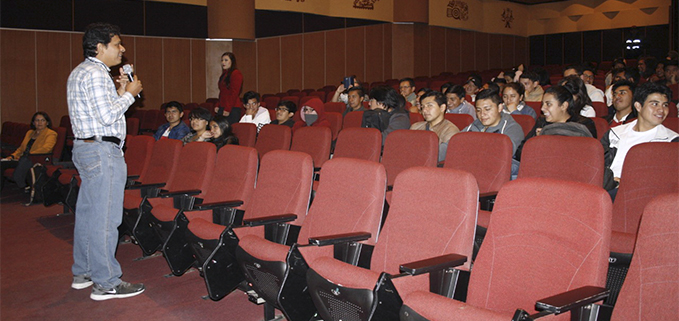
(110,139)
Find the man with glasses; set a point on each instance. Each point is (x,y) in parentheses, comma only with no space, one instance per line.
(284,112)
(175,128)
(407,89)
(595,94)
(254,113)
(433,109)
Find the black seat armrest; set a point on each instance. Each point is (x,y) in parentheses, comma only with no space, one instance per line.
(433,264)
(572,299)
(339,238)
(179,193)
(211,206)
(133,177)
(273,219)
(68,165)
(136,185)
(487,200)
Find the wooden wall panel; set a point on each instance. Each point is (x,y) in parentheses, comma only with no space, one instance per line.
(467,50)
(437,43)
(388,51)
(453,55)
(268,65)
(77,49)
(314,60)
(495,51)
(507,51)
(149,68)
(176,70)
(482,49)
(357,57)
(335,56)
(291,62)
(421,51)
(18,52)
(198,64)
(51,85)
(403,55)
(521,50)
(246,57)
(375,54)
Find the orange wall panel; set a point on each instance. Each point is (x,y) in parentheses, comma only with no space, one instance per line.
(467,50)
(521,55)
(246,59)
(198,65)
(453,50)
(376,53)
(357,57)
(149,68)
(482,50)
(177,70)
(19,95)
(51,87)
(335,56)
(421,50)
(291,63)
(437,45)
(314,60)
(268,65)
(507,51)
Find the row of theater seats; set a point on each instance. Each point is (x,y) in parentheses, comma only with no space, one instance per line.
(575,161)
(532,214)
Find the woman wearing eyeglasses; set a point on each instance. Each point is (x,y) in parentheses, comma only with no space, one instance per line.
(313,114)
(284,113)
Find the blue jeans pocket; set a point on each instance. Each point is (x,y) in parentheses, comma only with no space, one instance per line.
(88,163)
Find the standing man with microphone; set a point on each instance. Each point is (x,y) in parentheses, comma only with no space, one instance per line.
(97,111)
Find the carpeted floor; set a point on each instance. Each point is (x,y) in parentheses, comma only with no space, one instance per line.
(35,276)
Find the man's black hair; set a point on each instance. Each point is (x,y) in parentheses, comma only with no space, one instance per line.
(98,33)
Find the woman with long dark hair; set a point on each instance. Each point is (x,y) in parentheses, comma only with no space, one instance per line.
(230,85)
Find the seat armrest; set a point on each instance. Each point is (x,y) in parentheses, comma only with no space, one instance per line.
(339,238)
(487,200)
(433,264)
(572,299)
(273,219)
(135,185)
(179,193)
(133,177)
(211,206)
(68,165)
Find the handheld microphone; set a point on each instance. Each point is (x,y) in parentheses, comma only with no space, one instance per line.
(127,69)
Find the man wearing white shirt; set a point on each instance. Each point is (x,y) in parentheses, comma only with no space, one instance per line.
(595,94)
(254,112)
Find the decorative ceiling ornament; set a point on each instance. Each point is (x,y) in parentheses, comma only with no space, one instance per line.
(575,18)
(458,10)
(611,14)
(365,4)
(508,17)
(649,11)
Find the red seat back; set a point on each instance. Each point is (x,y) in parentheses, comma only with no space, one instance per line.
(132,126)
(271,102)
(672,123)
(164,158)
(536,105)
(315,141)
(294,99)
(409,148)
(233,176)
(650,288)
(415,117)
(602,127)
(335,120)
(643,178)
(488,156)
(353,119)
(460,120)
(273,137)
(138,153)
(196,161)
(600,108)
(579,159)
(361,143)
(527,123)
(246,133)
(337,107)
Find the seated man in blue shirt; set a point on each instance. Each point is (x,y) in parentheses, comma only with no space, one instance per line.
(175,128)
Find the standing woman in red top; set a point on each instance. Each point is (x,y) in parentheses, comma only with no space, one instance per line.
(230,85)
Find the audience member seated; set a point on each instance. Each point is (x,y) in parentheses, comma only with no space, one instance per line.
(618,63)
(531,85)
(580,97)
(445,86)
(387,112)
(40,139)
(175,128)
(558,107)
(671,72)
(355,95)
(342,92)
(434,110)
(456,102)
(491,119)
(254,113)
(646,67)
(312,114)
(200,119)
(407,89)
(512,97)
(623,104)
(284,112)
(220,131)
(594,94)
(629,74)
(421,92)
(651,101)
(473,86)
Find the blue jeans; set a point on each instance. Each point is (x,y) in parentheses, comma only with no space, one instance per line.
(99,211)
